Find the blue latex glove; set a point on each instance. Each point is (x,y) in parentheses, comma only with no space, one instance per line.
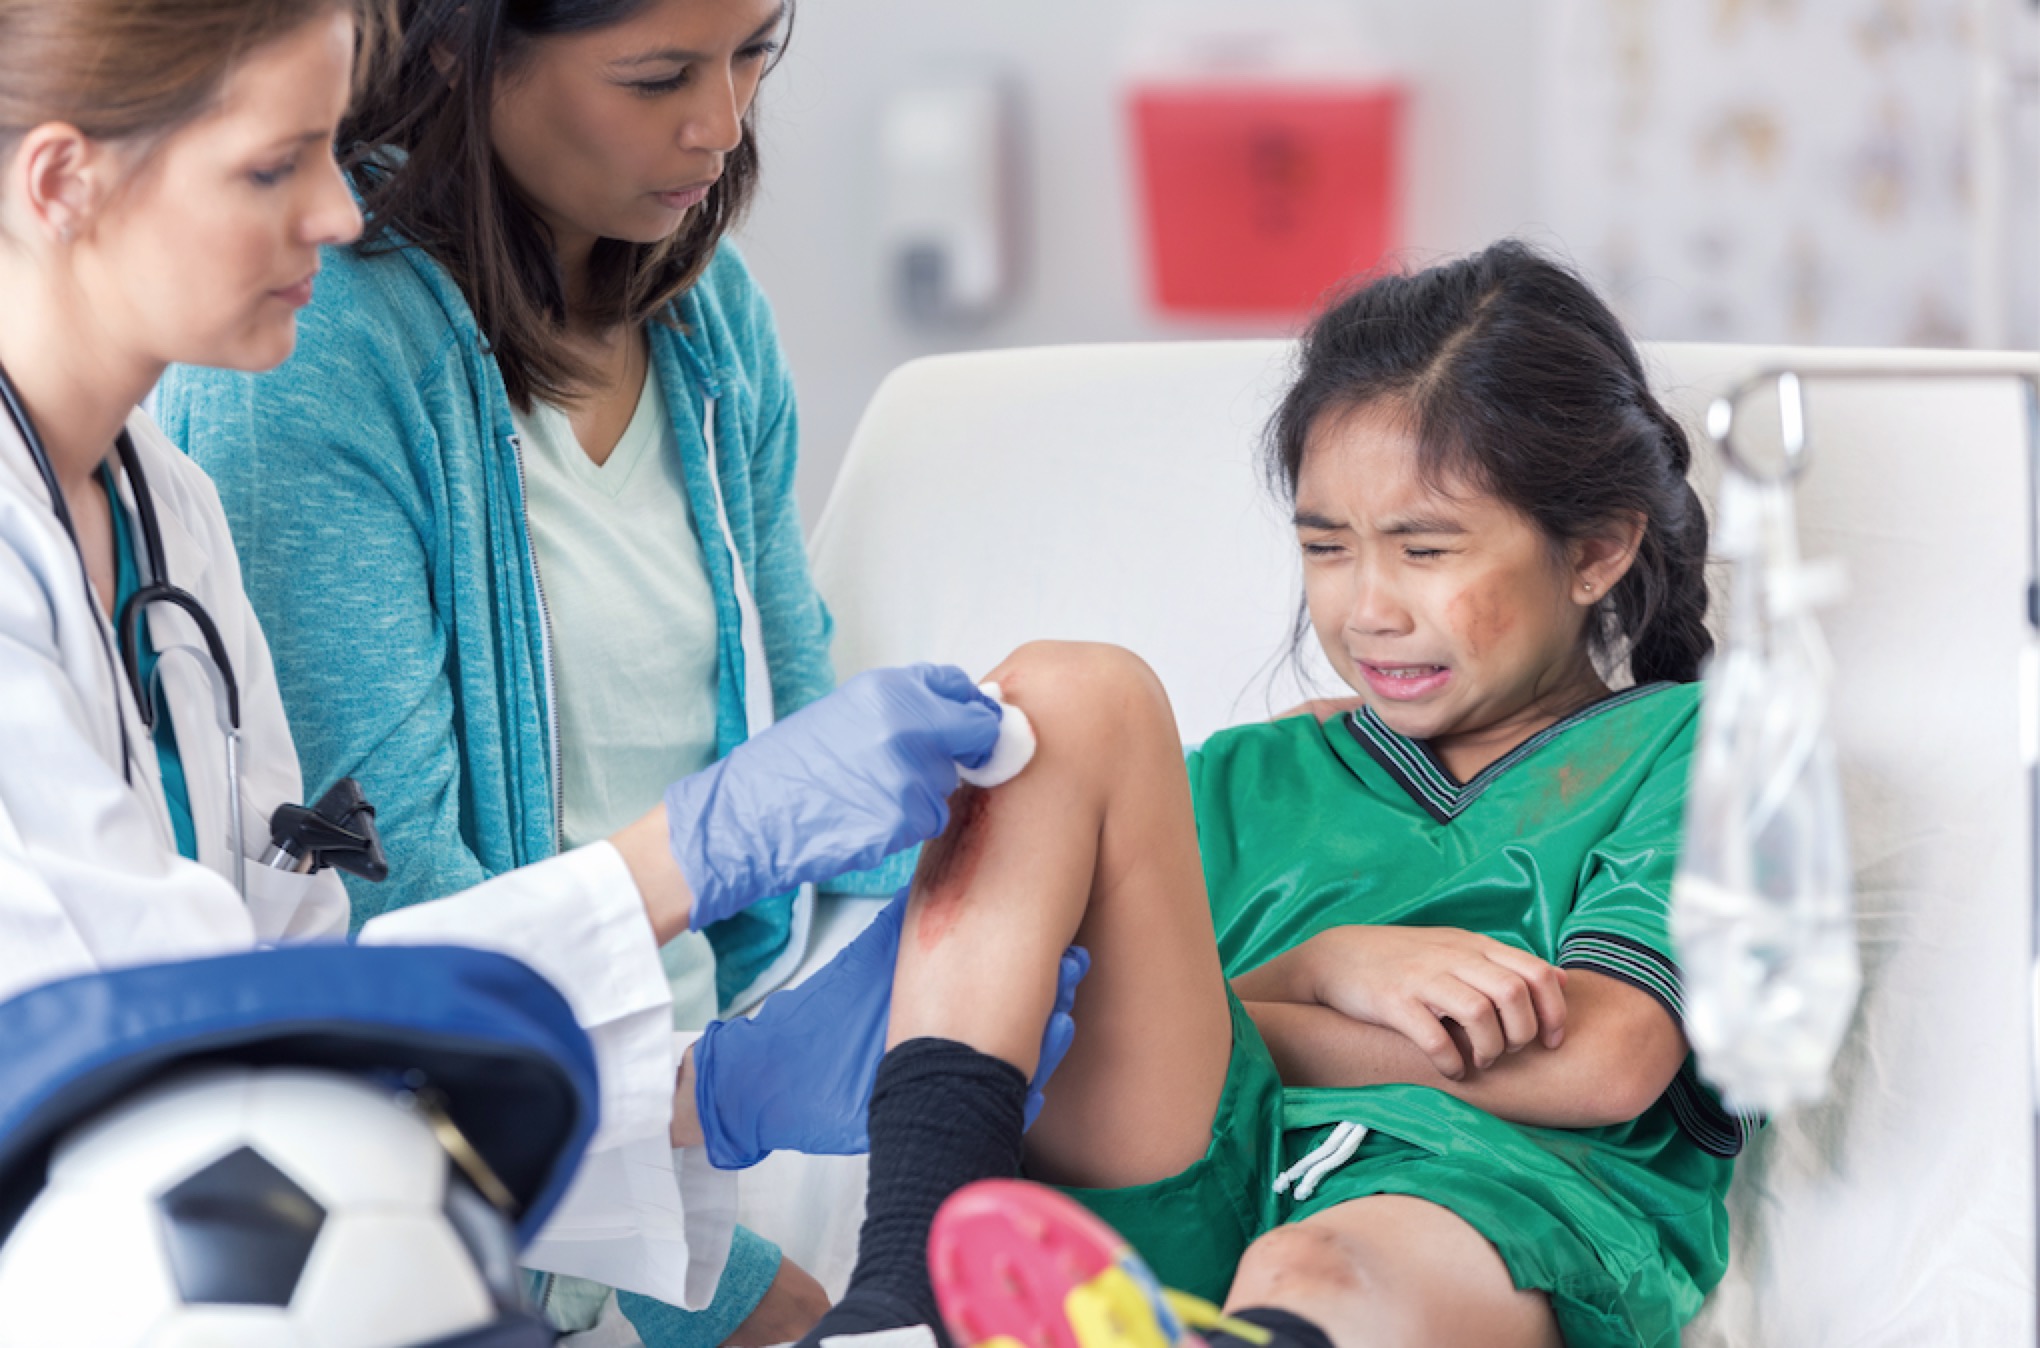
(797,1076)
(835,787)
(1061,1030)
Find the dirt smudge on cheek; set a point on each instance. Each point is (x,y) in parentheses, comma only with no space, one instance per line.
(949,865)
(1481,618)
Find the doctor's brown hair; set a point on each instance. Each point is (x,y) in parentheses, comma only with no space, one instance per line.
(1519,381)
(137,70)
(418,147)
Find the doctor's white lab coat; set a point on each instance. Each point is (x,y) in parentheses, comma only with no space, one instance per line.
(90,877)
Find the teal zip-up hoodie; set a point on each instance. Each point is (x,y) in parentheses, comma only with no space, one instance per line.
(378,508)
(377,502)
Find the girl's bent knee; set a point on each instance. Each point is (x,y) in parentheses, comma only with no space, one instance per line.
(1092,671)
(1300,1265)
(1104,689)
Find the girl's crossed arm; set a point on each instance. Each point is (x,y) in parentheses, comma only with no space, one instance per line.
(1480,1020)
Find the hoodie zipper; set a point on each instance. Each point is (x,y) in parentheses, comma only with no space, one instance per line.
(545,644)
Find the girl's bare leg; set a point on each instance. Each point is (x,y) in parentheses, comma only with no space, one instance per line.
(1095,843)
(1392,1271)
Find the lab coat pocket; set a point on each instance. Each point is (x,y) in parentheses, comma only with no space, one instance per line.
(288,907)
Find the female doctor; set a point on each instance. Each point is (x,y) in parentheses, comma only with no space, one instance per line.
(166,182)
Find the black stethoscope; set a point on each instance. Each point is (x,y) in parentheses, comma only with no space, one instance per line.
(339,830)
(155,588)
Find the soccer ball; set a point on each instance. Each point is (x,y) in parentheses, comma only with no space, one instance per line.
(236,1206)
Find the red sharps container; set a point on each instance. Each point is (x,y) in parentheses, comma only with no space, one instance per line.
(1257,198)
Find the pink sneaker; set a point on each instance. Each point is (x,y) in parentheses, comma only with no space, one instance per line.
(1016,1265)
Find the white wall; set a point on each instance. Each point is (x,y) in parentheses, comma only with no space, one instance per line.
(812,238)
(1871,159)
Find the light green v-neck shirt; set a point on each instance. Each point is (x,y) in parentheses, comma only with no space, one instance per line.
(632,616)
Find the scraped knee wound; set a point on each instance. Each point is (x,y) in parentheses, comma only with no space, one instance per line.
(1014,750)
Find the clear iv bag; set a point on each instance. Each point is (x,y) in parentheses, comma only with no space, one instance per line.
(1762,915)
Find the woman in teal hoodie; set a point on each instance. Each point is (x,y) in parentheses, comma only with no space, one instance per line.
(523,498)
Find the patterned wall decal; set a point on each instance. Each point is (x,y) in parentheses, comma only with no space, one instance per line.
(1786,170)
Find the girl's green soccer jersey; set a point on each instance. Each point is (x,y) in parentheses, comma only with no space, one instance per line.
(1565,848)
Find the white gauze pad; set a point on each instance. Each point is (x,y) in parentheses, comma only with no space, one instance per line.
(1014,750)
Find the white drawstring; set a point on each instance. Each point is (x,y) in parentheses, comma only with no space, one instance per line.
(1328,1156)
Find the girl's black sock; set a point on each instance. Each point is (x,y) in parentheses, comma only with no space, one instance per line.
(942,1115)
(1285,1328)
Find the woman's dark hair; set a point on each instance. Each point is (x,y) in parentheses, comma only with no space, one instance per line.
(1517,379)
(444,190)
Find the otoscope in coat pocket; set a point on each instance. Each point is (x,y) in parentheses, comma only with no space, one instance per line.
(339,832)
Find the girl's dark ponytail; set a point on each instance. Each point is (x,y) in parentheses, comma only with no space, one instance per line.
(1663,599)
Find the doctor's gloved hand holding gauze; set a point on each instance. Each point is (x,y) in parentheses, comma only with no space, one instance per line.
(835,787)
(798,1075)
